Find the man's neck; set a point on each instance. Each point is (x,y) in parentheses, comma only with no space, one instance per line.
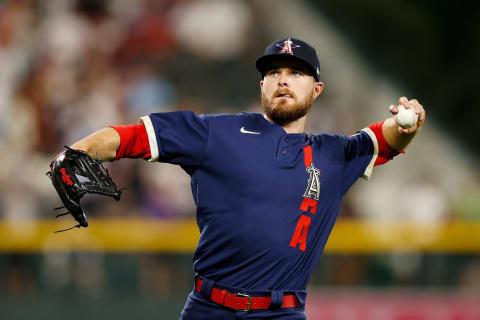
(297,126)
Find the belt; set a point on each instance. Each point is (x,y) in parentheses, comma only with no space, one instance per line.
(244,302)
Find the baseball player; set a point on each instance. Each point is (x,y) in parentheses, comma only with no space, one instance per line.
(267,194)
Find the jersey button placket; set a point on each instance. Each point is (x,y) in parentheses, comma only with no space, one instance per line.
(282,148)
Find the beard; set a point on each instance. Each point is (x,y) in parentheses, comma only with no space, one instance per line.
(284,111)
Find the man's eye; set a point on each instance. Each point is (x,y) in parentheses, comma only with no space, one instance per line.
(273,73)
(296,73)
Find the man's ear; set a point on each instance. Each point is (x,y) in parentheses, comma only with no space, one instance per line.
(261,84)
(317,90)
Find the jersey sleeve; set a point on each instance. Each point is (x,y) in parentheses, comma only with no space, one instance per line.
(178,137)
(385,151)
(361,151)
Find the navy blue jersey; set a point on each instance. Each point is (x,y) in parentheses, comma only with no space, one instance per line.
(266,200)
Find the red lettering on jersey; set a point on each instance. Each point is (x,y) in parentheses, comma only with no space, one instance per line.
(300,234)
(65,177)
(307,150)
(309,203)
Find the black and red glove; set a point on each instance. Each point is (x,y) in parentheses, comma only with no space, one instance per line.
(73,174)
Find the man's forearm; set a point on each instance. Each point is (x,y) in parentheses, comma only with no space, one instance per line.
(102,144)
(395,138)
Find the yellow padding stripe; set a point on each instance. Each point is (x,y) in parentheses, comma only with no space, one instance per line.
(353,236)
(114,235)
(150,235)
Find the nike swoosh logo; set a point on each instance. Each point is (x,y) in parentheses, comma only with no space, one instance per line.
(242,130)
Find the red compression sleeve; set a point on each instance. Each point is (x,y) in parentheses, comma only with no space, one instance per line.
(385,152)
(133,142)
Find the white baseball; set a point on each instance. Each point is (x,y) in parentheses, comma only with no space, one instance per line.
(405,118)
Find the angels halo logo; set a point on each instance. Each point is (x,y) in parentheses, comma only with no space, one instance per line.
(287,46)
(313,186)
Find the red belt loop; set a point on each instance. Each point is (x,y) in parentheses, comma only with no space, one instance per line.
(222,295)
(244,302)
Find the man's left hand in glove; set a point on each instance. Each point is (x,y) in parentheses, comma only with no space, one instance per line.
(75,173)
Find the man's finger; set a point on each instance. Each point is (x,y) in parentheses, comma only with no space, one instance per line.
(407,130)
(393,109)
(404,102)
(419,110)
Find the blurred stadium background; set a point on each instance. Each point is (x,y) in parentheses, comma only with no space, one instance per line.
(70,67)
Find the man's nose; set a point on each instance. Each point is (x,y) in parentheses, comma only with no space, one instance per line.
(282,79)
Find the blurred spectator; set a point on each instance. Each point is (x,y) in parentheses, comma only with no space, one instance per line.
(165,187)
(215,29)
(149,34)
(147,92)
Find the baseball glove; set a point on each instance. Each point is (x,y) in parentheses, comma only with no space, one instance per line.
(75,173)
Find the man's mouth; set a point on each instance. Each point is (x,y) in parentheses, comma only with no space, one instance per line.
(284,95)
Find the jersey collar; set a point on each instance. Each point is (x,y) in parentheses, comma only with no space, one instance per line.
(258,123)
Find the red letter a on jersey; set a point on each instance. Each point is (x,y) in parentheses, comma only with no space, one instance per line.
(301,231)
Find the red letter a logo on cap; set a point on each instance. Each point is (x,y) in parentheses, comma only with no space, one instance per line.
(287,47)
